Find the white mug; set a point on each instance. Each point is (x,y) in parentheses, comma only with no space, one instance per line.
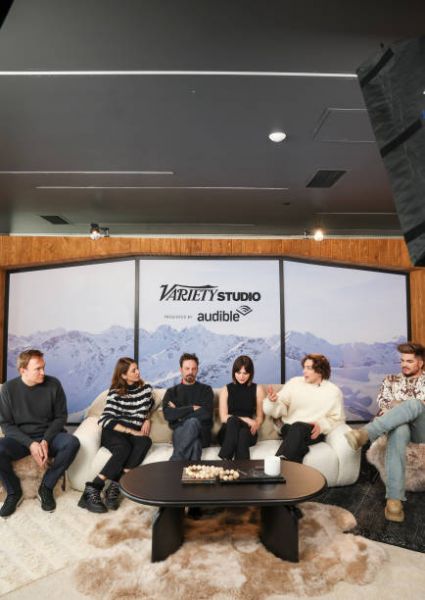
(272,465)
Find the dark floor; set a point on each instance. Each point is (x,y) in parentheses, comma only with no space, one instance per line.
(366,501)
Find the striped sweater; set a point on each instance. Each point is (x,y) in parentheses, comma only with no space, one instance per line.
(130,409)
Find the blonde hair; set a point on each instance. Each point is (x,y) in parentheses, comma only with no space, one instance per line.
(25,356)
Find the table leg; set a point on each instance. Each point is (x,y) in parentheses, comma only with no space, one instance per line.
(167,532)
(279,531)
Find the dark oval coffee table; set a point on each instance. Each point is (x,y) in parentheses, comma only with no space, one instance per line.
(159,484)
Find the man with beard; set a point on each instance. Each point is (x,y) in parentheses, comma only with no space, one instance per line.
(402,417)
(188,408)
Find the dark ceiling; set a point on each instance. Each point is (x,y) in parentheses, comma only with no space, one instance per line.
(152,116)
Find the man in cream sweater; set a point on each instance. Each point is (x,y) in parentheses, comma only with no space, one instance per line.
(306,408)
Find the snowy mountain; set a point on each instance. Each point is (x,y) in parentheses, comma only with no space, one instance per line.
(84,361)
(358,368)
(160,352)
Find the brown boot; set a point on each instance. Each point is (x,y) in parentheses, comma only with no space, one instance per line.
(394,510)
(357,438)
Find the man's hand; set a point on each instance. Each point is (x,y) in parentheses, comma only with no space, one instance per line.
(315,432)
(146,427)
(271,395)
(196,407)
(171,404)
(45,447)
(38,453)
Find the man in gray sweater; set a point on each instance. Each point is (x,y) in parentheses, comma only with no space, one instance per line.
(32,417)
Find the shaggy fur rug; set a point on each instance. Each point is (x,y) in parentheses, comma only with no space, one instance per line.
(415,463)
(30,476)
(222,557)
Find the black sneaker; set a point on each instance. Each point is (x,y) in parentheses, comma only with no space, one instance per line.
(113,496)
(11,504)
(45,495)
(91,500)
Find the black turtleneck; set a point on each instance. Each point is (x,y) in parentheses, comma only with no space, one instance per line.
(242,399)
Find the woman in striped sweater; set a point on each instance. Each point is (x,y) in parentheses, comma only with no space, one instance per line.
(125,433)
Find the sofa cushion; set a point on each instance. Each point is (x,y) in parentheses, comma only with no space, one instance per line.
(160,431)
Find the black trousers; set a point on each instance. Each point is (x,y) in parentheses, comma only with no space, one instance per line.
(296,440)
(235,439)
(128,451)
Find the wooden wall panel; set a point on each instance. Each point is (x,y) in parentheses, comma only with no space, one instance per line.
(2,306)
(21,251)
(417,305)
(16,252)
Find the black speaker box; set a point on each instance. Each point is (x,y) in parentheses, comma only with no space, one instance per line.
(4,9)
(393,87)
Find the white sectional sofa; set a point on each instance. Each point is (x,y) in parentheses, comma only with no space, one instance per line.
(333,458)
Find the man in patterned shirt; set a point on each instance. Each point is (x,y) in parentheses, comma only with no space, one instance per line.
(401,402)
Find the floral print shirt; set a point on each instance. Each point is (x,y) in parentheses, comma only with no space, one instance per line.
(398,388)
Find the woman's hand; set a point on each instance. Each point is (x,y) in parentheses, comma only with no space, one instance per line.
(146,427)
(254,427)
(252,424)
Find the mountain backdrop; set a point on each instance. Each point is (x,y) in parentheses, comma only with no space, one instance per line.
(84,361)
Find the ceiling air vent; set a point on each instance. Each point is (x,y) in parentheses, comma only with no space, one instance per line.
(55,219)
(325,178)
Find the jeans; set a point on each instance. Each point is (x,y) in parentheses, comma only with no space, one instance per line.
(62,448)
(187,443)
(404,423)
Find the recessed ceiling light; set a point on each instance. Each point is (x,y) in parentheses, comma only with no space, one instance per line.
(277,136)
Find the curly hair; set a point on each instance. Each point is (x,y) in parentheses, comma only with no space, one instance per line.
(320,364)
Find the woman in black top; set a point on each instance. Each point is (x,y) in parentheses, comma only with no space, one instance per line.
(241,411)
(125,433)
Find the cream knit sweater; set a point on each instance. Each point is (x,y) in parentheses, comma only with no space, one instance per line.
(309,403)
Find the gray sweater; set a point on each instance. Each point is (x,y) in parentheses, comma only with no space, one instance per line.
(29,413)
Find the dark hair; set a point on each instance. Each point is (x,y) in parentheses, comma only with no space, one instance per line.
(187,356)
(246,362)
(320,364)
(25,356)
(412,348)
(118,383)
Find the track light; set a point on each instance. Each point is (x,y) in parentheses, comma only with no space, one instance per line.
(97,232)
(317,235)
